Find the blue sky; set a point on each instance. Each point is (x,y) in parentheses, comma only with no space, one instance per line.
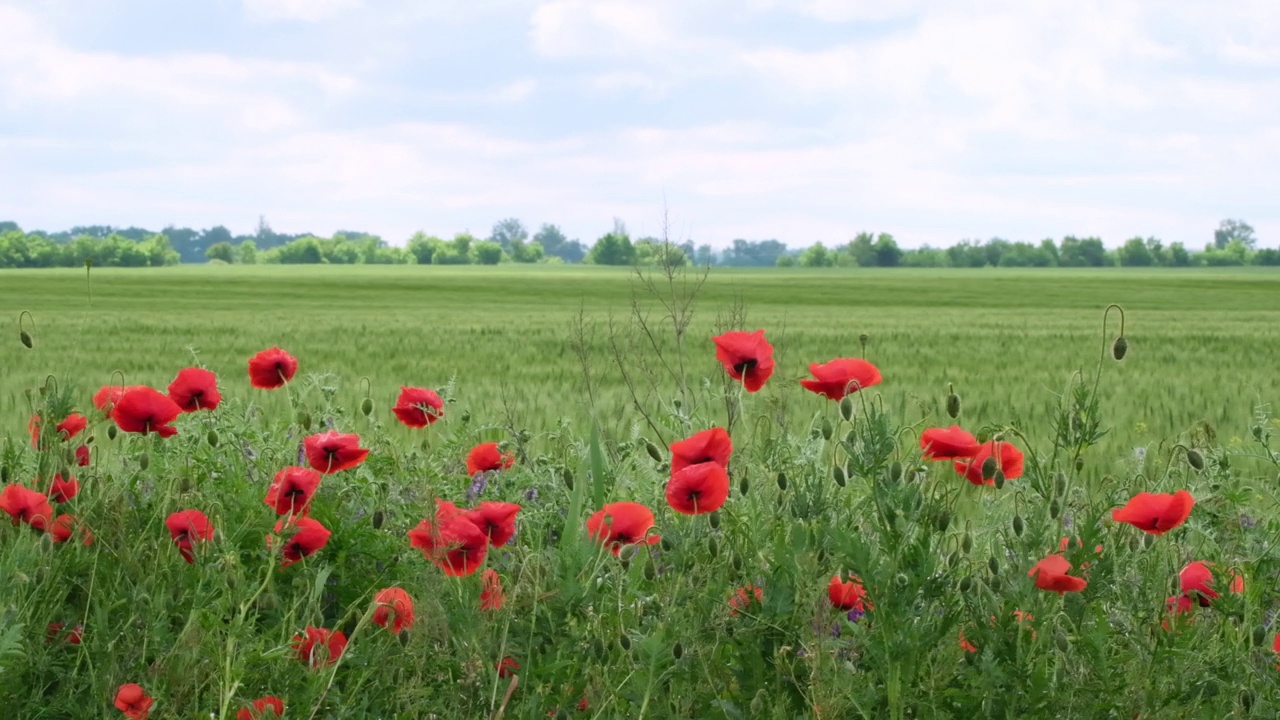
(808,120)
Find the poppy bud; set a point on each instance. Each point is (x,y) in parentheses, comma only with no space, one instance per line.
(677,402)
(821,555)
(942,521)
(966,544)
(144,461)
(1055,508)
(1059,482)
(379,517)
(667,545)
(846,408)
(851,437)
(366,406)
(864,339)
(737,563)
(953,405)
(966,583)
(111,432)
(650,572)
(713,548)
(1257,432)
(304,419)
(184,485)
(1148,541)
(1259,635)
(895,471)
(466,416)
(1017,525)
(567,476)
(1195,459)
(994,565)
(840,477)
(901,580)
(212,438)
(1079,464)
(4,473)
(1119,348)
(782,480)
(1060,640)
(953,559)
(989,467)
(653,451)
(743,486)
(715,519)
(677,651)
(757,703)
(624,641)
(25,337)
(1246,699)
(827,430)
(997,479)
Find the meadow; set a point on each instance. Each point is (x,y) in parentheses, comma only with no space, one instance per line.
(586,376)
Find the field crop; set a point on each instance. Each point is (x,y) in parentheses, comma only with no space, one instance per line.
(586,376)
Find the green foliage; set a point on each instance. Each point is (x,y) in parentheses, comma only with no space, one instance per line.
(487,253)
(613,248)
(221,251)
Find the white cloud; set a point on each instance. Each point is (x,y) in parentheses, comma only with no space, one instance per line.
(304,10)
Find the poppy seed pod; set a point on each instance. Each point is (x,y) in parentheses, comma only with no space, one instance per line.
(989,467)
(25,337)
(1195,459)
(653,450)
(997,479)
(1119,348)
(953,405)
(838,473)
(1017,525)
(111,432)
(782,480)
(212,438)
(366,406)
(846,408)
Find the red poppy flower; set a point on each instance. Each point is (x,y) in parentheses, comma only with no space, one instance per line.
(965,644)
(332,451)
(1237,582)
(1178,606)
(61,490)
(1008,458)
(291,491)
(744,597)
(1156,513)
(453,543)
(1197,577)
(145,410)
(320,646)
(74,636)
(622,523)
(82,456)
(26,505)
(63,527)
(307,537)
(258,709)
(746,356)
(698,489)
(394,606)
(841,377)
(418,407)
(491,595)
(950,443)
(271,369)
(70,427)
(108,395)
(195,389)
(507,667)
(186,527)
(1275,644)
(707,446)
(497,520)
(848,595)
(1051,574)
(485,457)
(133,701)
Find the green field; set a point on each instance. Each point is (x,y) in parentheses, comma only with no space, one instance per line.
(1202,343)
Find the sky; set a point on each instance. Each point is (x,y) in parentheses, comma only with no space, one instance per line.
(800,120)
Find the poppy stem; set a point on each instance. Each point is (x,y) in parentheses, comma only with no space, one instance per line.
(506,698)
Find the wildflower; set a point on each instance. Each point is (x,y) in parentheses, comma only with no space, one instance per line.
(1051,574)
(491,595)
(1156,513)
(622,523)
(70,426)
(451,542)
(742,598)
(507,667)
(145,410)
(332,451)
(497,520)
(82,456)
(1178,605)
(698,489)
(62,528)
(272,368)
(418,407)
(1008,459)
(486,457)
(308,537)
(394,606)
(950,443)
(187,527)
(848,595)
(61,490)
(320,646)
(1197,578)
(26,505)
(840,377)
(746,356)
(258,709)
(133,701)
(965,644)
(108,395)
(1237,582)
(291,491)
(707,446)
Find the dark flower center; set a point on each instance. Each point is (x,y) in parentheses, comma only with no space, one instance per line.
(622,538)
(744,366)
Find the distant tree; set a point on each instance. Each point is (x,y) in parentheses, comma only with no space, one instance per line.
(705,256)
(1078,252)
(221,251)
(247,253)
(462,243)
(509,231)
(1178,255)
(886,251)
(1134,253)
(612,249)
(816,255)
(551,238)
(1233,230)
(925,256)
(1159,256)
(421,246)
(966,254)
(747,253)
(862,248)
(9,226)
(1050,249)
(785,261)
(487,252)
(1267,256)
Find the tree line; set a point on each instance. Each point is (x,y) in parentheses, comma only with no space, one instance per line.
(1234,243)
